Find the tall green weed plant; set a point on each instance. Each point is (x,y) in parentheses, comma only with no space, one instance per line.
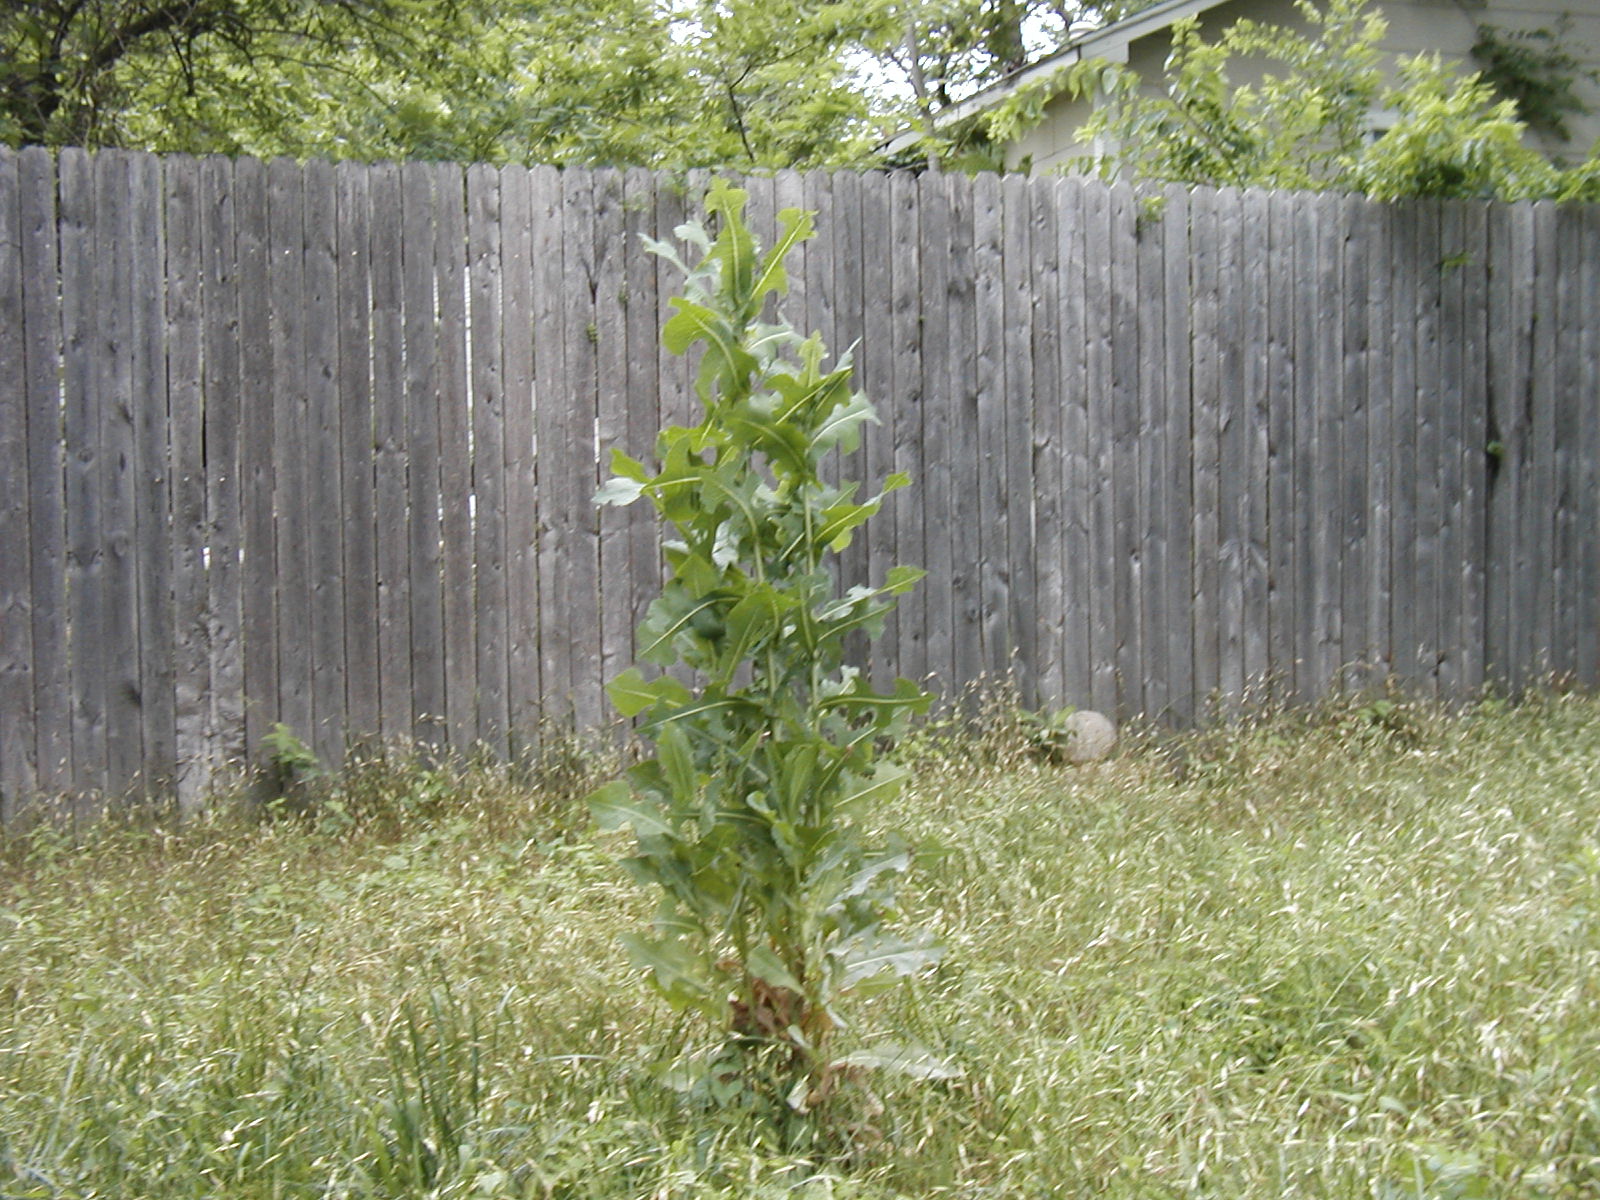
(774,904)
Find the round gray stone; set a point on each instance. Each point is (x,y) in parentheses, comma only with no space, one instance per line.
(1090,736)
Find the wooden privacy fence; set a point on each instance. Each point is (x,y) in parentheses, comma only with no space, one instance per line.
(316,444)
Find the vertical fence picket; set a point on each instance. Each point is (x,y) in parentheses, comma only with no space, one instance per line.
(936,312)
(291,416)
(1233,445)
(1453,261)
(419,401)
(1281,496)
(18,735)
(84,494)
(875,373)
(455,461)
(221,357)
(579,476)
(962,498)
(488,450)
(1205,548)
(1588,478)
(1153,478)
(43,350)
(643,417)
(1566,380)
(1048,403)
(358,524)
(553,409)
(1100,611)
(324,491)
(1308,481)
(989,501)
(1540,497)
(523,707)
(1474,443)
(1177,648)
(615,600)
(1377,228)
(182,345)
(1352,534)
(1255,411)
(114,340)
(390,510)
(1022,641)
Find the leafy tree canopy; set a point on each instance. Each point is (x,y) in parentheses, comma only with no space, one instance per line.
(667,83)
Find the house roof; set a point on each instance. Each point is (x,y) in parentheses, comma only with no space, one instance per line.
(1109,41)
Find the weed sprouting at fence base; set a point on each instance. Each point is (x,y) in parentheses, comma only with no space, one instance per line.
(774,904)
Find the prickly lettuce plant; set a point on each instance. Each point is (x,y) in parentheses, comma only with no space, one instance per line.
(774,906)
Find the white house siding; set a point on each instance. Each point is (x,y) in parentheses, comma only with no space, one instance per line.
(1448,27)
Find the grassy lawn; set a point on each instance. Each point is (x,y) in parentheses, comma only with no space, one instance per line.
(1349,955)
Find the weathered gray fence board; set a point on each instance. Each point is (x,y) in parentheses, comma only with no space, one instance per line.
(1256,411)
(18,735)
(934,483)
(1021,489)
(1281,494)
(1428,403)
(1566,380)
(989,501)
(551,417)
(1125,451)
(152,499)
(962,508)
(1474,442)
(41,315)
(323,461)
(1177,582)
(291,507)
(1588,480)
(1541,483)
(182,338)
(578,203)
(81,432)
(1097,496)
(1329,405)
(488,455)
(845,282)
(220,359)
(1152,434)
(1407,580)
(420,402)
(1233,434)
(1503,444)
(521,490)
(1379,448)
(1047,402)
(1452,485)
(611,349)
(877,378)
(113,337)
(1306,306)
(357,499)
(389,455)
(317,445)
(1205,551)
(643,417)
(1354,507)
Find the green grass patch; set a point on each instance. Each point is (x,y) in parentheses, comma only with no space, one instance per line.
(1352,954)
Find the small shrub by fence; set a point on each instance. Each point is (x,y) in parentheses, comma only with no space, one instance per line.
(315,444)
